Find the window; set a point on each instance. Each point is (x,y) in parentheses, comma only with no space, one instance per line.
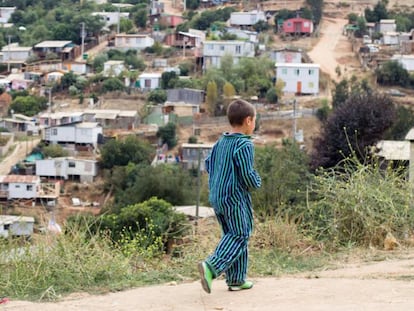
(54,132)
(311,72)
(147,83)
(17,186)
(72,164)
(29,187)
(284,71)
(297,72)
(311,85)
(238,49)
(210,46)
(221,47)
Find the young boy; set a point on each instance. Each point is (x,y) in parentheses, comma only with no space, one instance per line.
(231,176)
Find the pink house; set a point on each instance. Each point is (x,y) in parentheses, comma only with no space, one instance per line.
(297,25)
(171,21)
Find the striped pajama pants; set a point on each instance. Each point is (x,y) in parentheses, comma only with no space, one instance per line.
(231,253)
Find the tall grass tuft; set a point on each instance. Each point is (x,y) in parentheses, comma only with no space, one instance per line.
(55,265)
(358,204)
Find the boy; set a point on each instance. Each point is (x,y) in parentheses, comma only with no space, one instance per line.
(231,176)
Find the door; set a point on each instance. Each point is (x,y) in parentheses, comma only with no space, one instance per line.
(299,87)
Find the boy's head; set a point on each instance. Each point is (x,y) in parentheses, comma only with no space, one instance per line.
(241,114)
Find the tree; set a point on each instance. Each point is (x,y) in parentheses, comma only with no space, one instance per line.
(392,73)
(28,105)
(157,96)
(129,150)
(212,97)
(168,135)
(168,79)
(340,93)
(228,93)
(271,96)
(112,84)
(54,151)
(404,121)
(353,128)
(285,176)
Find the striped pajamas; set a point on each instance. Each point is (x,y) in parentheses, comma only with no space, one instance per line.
(231,175)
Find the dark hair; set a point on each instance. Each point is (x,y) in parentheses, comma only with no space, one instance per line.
(239,110)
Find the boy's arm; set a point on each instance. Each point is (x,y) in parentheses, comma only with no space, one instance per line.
(245,160)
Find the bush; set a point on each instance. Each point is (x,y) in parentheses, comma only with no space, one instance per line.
(359,204)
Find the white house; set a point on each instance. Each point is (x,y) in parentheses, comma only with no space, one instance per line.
(78,133)
(251,36)
(79,68)
(83,170)
(113,67)
(298,78)
(6,13)
(407,61)
(286,56)
(213,51)
(133,41)
(191,153)
(15,54)
(149,81)
(386,25)
(247,18)
(111,18)
(391,38)
(19,186)
(11,225)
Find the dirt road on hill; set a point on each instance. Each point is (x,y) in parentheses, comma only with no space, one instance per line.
(380,286)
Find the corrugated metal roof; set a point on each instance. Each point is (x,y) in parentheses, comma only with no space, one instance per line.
(87,125)
(52,44)
(27,179)
(394,150)
(9,219)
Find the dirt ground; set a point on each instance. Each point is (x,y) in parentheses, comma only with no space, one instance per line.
(386,286)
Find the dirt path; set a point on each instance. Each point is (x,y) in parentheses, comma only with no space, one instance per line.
(381,286)
(327,51)
(20,151)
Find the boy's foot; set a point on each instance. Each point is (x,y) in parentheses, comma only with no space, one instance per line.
(206,276)
(245,285)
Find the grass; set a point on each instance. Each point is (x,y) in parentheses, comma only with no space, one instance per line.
(55,266)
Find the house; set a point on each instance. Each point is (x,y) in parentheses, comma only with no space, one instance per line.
(180,109)
(83,170)
(170,21)
(186,95)
(65,50)
(286,56)
(297,26)
(248,35)
(60,118)
(6,13)
(111,18)
(18,81)
(113,68)
(149,81)
(386,25)
(19,186)
(53,76)
(391,38)
(79,68)
(11,225)
(406,61)
(213,51)
(113,118)
(133,41)
(179,39)
(247,18)
(298,78)
(20,123)
(15,54)
(84,133)
(193,155)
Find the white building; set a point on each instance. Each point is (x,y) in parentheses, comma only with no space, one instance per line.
(16,225)
(149,81)
(298,78)
(83,170)
(19,186)
(407,61)
(247,18)
(79,133)
(391,38)
(286,56)
(14,53)
(6,13)
(113,68)
(111,18)
(386,25)
(133,41)
(213,51)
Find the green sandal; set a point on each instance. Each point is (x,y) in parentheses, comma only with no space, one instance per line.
(245,285)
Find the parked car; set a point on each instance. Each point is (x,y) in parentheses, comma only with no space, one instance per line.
(395,92)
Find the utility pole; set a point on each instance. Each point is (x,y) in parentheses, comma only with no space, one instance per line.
(294,120)
(83,34)
(9,58)
(119,20)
